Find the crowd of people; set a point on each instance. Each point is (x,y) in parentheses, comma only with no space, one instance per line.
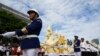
(80,45)
(9,50)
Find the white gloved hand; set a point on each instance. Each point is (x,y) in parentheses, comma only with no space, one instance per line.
(9,34)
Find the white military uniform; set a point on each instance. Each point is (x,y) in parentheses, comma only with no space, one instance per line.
(83,46)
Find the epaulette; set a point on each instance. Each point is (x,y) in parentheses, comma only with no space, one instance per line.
(39,20)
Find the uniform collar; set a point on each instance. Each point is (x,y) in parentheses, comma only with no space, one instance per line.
(34,19)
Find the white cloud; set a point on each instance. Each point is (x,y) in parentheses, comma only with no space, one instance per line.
(80,17)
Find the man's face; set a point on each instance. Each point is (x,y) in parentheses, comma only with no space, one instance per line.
(76,38)
(82,39)
(32,15)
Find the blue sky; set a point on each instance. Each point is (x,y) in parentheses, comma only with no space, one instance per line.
(68,17)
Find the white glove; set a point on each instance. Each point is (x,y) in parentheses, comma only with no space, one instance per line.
(9,34)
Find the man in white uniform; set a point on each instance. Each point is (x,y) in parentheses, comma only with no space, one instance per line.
(83,45)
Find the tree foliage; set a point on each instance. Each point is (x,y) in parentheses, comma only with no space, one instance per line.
(9,22)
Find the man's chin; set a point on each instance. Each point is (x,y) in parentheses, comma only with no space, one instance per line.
(31,18)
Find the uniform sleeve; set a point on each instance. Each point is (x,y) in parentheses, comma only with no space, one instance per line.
(33,26)
(78,43)
(19,32)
